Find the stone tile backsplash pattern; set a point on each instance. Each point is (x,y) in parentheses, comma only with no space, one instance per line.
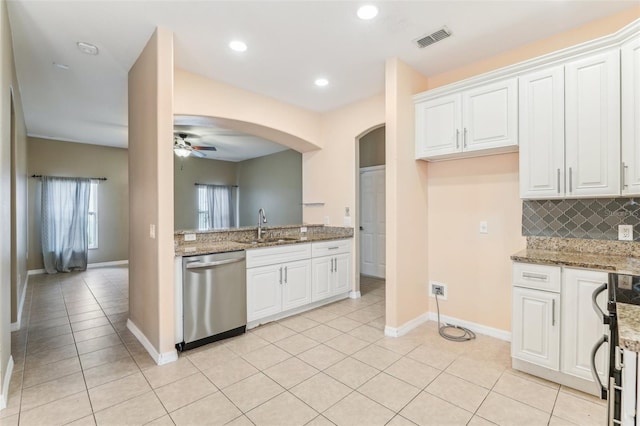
(592,218)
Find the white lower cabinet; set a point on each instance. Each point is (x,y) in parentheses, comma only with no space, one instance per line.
(536,331)
(331,269)
(581,326)
(554,324)
(291,276)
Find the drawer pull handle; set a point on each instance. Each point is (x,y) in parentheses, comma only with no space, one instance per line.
(531,276)
(333,248)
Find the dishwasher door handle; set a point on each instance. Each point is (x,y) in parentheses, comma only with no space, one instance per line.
(199,265)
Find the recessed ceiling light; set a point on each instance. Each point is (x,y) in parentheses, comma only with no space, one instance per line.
(238,46)
(88,48)
(61,66)
(368,11)
(321,82)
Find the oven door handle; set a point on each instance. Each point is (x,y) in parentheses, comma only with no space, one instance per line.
(594,303)
(594,372)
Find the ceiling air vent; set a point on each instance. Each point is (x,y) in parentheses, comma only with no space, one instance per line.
(433,37)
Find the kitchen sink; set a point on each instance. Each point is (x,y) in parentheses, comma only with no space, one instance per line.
(270,240)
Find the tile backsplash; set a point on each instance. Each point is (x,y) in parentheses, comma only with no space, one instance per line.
(592,218)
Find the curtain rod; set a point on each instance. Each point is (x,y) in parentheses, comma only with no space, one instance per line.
(93,178)
(221,186)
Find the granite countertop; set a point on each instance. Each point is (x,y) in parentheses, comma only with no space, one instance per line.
(226,246)
(628,326)
(606,262)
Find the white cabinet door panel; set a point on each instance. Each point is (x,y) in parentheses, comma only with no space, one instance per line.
(630,73)
(536,335)
(264,292)
(593,125)
(438,124)
(581,325)
(296,286)
(342,274)
(490,116)
(321,279)
(541,127)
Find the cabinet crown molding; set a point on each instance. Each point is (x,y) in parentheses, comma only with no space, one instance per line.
(559,56)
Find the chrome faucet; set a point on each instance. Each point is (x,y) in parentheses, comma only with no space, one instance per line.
(262,218)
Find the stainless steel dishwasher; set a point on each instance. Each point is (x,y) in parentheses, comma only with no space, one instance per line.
(214,298)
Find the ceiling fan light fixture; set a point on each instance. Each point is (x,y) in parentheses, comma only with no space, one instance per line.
(182,151)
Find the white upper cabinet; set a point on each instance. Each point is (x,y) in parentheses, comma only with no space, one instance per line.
(490,116)
(438,126)
(630,117)
(592,125)
(541,124)
(478,121)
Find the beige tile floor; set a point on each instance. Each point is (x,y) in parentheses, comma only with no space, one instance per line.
(76,363)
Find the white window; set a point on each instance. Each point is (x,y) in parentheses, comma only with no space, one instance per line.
(216,207)
(92,220)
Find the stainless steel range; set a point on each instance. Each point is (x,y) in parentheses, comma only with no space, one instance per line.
(621,389)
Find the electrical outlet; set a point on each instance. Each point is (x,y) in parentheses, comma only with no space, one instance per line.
(484,227)
(152,231)
(189,237)
(326,220)
(438,288)
(625,232)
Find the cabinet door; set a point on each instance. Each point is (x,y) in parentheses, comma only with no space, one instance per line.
(592,88)
(341,274)
(296,284)
(321,278)
(490,116)
(536,330)
(438,127)
(264,292)
(581,325)
(541,127)
(630,112)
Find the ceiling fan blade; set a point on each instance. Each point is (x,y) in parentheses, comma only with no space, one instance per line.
(204,148)
(197,154)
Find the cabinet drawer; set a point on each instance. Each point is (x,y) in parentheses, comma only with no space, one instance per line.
(280,254)
(329,248)
(541,277)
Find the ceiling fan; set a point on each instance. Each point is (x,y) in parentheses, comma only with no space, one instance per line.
(182,148)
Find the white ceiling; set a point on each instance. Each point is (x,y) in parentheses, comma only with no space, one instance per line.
(290,44)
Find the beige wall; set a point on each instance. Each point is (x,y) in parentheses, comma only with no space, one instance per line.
(151,274)
(291,126)
(463,192)
(58,158)
(372,148)
(406,197)
(12,196)
(187,172)
(272,182)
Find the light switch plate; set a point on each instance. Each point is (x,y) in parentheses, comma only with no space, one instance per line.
(625,232)
(484,227)
(152,231)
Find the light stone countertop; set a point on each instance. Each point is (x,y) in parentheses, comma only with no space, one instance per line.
(226,246)
(629,326)
(605,262)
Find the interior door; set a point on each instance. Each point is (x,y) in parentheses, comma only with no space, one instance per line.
(372,221)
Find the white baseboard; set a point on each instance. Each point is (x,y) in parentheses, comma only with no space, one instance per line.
(15,326)
(406,327)
(5,384)
(103,264)
(355,294)
(433,316)
(159,358)
(475,327)
(89,266)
